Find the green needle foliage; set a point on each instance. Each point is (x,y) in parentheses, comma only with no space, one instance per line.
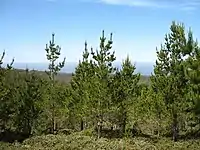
(81,83)
(30,99)
(9,66)
(53,53)
(102,61)
(170,79)
(125,90)
(193,72)
(5,92)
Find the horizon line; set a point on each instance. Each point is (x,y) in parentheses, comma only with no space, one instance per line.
(73,62)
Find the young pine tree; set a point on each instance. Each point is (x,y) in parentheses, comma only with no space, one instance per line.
(30,96)
(5,93)
(102,61)
(193,73)
(169,78)
(80,83)
(125,86)
(53,53)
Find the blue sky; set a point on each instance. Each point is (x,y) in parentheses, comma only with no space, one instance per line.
(138,26)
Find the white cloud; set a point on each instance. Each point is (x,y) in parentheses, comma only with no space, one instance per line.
(144,3)
(173,4)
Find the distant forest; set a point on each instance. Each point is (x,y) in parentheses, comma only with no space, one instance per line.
(66,77)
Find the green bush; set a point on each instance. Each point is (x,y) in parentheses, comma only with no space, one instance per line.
(78,141)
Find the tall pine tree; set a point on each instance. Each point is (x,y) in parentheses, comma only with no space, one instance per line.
(193,72)
(169,78)
(102,61)
(53,53)
(81,83)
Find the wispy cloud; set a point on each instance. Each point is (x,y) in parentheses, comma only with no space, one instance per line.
(142,3)
(169,4)
(184,5)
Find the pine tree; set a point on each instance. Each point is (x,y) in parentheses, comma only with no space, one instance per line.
(5,92)
(193,72)
(30,95)
(169,78)
(80,83)
(102,61)
(125,86)
(53,53)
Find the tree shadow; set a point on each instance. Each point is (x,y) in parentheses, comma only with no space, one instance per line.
(11,136)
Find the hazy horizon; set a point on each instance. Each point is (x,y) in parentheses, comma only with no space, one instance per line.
(145,68)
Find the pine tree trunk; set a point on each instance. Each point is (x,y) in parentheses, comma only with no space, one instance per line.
(159,120)
(29,127)
(53,101)
(175,127)
(98,130)
(71,120)
(54,122)
(82,124)
(100,120)
(99,126)
(124,118)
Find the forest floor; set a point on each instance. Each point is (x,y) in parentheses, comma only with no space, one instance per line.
(78,141)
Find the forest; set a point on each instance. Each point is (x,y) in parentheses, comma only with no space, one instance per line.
(102,107)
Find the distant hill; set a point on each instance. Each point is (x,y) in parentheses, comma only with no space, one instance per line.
(66,77)
(145,68)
